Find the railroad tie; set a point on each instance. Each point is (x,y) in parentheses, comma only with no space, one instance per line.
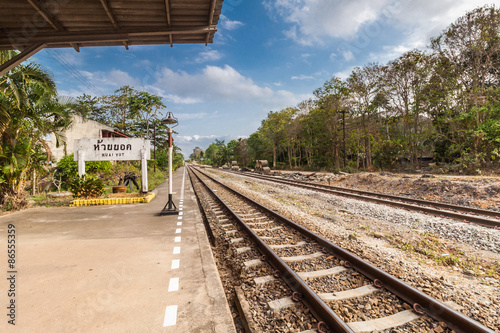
(383,323)
(258,223)
(252,263)
(398,319)
(231,232)
(280,304)
(304,257)
(237,240)
(243,249)
(271,229)
(254,218)
(316,274)
(284,246)
(264,279)
(347,294)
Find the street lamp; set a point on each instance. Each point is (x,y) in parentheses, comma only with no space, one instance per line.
(170,208)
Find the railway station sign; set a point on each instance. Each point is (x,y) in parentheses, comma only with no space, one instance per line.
(113,149)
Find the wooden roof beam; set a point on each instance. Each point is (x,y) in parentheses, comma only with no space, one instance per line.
(18,59)
(46,15)
(49,17)
(112,18)
(109,12)
(211,14)
(167,10)
(103,36)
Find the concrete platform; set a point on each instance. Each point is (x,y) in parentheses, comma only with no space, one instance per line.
(117,268)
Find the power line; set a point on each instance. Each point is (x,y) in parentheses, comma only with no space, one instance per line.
(74,72)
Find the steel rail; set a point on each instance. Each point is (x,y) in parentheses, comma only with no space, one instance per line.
(430,306)
(375,197)
(318,307)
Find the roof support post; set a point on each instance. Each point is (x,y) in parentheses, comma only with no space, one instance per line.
(25,54)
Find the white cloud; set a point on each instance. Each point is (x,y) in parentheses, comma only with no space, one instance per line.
(212,55)
(310,21)
(302,77)
(213,83)
(313,19)
(144,63)
(199,115)
(188,142)
(191,138)
(348,55)
(229,24)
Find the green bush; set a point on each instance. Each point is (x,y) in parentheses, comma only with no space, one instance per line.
(86,187)
(68,169)
(97,166)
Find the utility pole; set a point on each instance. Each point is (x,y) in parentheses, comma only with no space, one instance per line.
(343,129)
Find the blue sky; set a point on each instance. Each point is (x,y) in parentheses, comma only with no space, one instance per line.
(266,55)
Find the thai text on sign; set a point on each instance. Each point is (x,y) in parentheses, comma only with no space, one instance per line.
(113,149)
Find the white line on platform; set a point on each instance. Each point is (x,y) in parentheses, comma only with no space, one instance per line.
(180,213)
(180,208)
(173,285)
(178,231)
(182,187)
(177,239)
(170,316)
(176,263)
(177,250)
(179,223)
(179,218)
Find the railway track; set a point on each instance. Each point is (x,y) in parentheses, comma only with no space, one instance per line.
(341,290)
(482,217)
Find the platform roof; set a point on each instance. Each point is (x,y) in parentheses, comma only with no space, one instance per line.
(30,25)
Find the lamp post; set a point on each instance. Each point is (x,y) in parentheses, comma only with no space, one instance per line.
(170,208)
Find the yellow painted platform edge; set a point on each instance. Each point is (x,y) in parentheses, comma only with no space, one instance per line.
(112,201)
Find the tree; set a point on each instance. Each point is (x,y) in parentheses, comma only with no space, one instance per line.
(471,45)
(364,87)
(117,107)
(145,107)
(274,128)
(242,153)
(332,98)
(407,78)
(30,111)
(89,107)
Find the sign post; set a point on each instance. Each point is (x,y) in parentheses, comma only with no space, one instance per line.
(114,149)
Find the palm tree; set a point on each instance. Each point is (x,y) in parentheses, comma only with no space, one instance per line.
(29,110)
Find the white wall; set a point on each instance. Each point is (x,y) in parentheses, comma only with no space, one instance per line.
(80,129)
